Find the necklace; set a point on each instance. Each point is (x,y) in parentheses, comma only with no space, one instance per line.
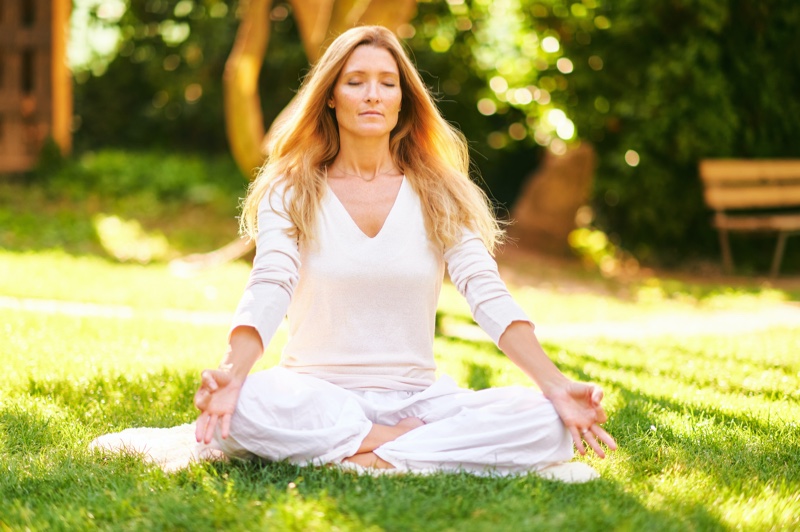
(366,179)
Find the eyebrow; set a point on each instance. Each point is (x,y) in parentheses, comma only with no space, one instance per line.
(385,72)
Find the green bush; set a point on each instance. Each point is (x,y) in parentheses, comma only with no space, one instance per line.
(120,174)
(682,81)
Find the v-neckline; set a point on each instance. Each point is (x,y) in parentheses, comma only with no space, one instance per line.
(385,220)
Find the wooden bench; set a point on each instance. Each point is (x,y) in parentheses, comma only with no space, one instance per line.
(769,186)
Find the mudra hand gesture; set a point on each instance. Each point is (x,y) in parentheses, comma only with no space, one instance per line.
(578,405)
(216,399)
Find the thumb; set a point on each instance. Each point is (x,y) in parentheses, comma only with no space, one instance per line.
(222,378)
(208,381)
(597,395)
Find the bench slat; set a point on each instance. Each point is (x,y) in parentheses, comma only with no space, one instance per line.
(717,171)
(720,198)
(778,222)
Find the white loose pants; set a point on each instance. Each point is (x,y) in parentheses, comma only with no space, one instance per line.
(282,415)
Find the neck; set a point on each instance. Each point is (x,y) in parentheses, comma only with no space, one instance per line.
(365,158)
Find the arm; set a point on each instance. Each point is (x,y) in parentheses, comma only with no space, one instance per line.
(259,314)
(474,272)
(577,403)
(219,388)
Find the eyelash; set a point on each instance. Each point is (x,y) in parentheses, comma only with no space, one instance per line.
(356,83)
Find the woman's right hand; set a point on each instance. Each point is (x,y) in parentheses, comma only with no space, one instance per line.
(216,399)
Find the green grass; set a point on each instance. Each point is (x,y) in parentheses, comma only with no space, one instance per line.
(707,425)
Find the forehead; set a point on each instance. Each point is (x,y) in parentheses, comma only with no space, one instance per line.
(368,58)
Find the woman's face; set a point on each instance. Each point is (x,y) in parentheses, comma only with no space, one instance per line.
(367,94)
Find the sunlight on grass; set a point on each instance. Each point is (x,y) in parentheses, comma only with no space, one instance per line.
(126,240)
(55,275)
(707,424)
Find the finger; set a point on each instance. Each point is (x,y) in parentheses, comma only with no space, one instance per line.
(222,378)
(597,395)
(226,426)
(605,437)
(200,427)
(589,437)
(576,438)
(212,423)
(208,380)
(600,415)
(201,398)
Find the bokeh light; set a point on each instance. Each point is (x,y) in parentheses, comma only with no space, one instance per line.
(193,92)
(595,62)
(498,84)
(497,140)
(632,158)
(487,107)
(564,65)
(517,131)
(406,31)
(550,44)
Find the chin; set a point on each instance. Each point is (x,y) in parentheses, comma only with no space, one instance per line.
(370,131)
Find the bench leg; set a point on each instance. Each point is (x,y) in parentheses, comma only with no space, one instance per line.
(778,257)
(727,259)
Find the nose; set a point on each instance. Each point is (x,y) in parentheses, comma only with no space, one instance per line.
(373,94)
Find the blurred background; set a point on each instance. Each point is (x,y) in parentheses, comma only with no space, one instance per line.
(639,90)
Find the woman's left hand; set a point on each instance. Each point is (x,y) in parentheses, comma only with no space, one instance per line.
(578,405)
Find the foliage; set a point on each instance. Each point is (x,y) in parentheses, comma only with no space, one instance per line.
(112,199)
(162,86)
(707,424)
(654,86)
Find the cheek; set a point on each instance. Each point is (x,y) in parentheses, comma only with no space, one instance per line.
(343,97)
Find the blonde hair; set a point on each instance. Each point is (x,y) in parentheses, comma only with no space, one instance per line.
(433,154)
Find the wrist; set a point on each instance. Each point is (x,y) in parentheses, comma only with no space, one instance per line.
(554,386)
(237,376)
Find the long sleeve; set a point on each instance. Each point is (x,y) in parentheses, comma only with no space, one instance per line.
(275,270)
(474,273)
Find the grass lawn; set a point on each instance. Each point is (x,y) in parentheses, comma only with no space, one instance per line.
(707,422)
(707,425)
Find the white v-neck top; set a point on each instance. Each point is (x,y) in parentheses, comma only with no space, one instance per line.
(361,309)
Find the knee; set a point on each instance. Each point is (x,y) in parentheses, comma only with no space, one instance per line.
(283,399)
(544,422)
(555,433)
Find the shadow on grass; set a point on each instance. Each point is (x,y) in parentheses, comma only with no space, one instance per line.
(693,376)
(120,492)
(734,449)
(741,451)
(51,479)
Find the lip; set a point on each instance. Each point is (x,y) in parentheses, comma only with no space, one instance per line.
(371,113)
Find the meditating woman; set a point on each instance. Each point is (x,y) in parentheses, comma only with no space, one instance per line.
(364,200)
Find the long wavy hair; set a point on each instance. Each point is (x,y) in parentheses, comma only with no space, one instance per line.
(431,153)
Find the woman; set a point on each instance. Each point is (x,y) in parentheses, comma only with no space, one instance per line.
(364,199)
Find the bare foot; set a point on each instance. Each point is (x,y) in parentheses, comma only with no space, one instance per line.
(369,460)
(379,435)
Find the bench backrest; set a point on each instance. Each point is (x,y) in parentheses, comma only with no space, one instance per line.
(748,184)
